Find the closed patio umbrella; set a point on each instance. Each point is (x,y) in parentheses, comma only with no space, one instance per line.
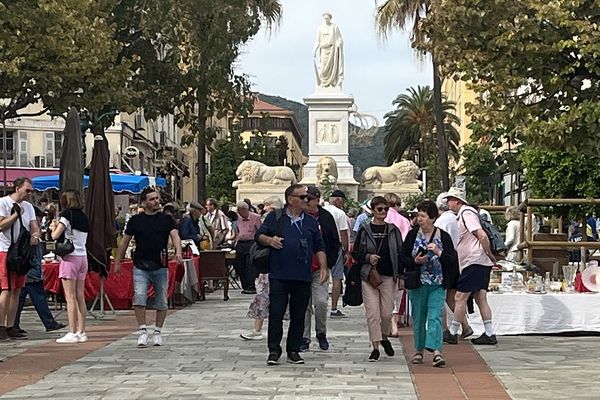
(100,208)
(71,157)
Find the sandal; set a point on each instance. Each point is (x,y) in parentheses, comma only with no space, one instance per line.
(417,358)
(438,361)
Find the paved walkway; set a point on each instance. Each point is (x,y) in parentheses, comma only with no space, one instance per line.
(204,358)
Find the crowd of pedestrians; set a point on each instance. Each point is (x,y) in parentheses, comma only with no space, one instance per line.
(437,255)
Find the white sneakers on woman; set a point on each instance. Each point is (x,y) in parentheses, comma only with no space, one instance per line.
(71,337)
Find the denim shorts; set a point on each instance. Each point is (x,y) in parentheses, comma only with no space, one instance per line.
(160,281)
(337,271)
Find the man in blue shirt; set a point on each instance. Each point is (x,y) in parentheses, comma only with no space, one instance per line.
(293,241)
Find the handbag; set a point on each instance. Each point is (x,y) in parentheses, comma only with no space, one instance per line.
(412,279)
(259,255)
(353,292)
(65,247)
(374,278)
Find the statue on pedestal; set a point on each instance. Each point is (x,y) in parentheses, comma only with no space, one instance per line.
(256,173)
(402,174)
(329,47)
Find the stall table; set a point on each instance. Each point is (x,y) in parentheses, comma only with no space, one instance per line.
(523,313)
(119,288)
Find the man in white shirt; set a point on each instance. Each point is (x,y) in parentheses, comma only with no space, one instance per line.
(15,212)
(336,201)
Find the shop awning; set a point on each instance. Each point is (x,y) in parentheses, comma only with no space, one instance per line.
(120,182)
(14,173)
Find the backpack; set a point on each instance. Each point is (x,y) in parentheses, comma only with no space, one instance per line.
(259,254)
(20,253)
(496,241)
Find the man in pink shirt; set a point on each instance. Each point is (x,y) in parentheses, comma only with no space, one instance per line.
(393,215)
(475,260)
(247,226)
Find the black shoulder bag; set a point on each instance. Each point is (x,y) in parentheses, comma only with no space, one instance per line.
(259,254)
(65,247)
(20,253)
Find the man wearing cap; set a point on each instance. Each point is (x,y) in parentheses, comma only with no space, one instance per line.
(319,293)
(336,201)
(475,261)
(248,224)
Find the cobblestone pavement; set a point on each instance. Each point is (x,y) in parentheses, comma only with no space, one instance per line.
(203,357)
(546,367)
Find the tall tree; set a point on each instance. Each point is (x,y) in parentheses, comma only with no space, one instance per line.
(413,121)
(533,63)
(397,14)
(202,40)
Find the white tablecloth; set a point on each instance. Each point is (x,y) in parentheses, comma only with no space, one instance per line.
(540,313)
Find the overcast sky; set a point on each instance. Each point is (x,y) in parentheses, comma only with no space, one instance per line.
(280,63)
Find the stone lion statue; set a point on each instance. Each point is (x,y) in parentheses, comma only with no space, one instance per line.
(400,173)
(327,172)
(254,172)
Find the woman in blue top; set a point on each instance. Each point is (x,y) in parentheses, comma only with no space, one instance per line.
(430,265)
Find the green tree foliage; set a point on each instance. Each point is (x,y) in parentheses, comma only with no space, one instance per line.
(226,157)
(59,53)
(413,122)
(201,40)
(563,174)
(480,171)
(534,64)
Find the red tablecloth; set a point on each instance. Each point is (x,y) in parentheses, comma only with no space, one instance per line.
(118,288)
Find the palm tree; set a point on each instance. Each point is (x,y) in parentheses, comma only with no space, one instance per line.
(410,126)
(396,14)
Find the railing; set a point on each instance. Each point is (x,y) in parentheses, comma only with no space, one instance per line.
(526,238)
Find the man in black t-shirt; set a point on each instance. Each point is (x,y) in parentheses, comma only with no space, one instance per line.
(151,230)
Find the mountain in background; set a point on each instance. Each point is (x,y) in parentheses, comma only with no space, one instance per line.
(361,157)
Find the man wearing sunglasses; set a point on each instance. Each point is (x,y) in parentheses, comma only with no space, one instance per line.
(293,241)
(14,211)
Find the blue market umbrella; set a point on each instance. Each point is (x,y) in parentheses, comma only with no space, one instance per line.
(71,157)
(100,208)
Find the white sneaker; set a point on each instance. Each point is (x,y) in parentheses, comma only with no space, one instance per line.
(82,337)
(252,335)
(157,339)
(70,337)
(143,339)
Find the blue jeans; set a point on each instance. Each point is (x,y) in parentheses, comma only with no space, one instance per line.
(427,306)
(37,294)
(160,281)
(297,293)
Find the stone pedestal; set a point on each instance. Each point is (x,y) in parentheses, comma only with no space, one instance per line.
(403,191)
(328,112)
(257,193)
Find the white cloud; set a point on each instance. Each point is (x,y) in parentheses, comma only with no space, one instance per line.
(280,63)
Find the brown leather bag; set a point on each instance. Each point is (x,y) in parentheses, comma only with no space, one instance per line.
(374,278)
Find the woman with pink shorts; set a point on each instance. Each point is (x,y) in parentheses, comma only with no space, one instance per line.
(73,268)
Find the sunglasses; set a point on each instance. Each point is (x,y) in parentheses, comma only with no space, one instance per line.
(28,190)
(381,209)
(301,197)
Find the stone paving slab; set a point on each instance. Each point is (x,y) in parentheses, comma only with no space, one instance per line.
(204,358)
(546,367)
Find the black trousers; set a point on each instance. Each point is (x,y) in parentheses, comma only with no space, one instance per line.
(282,292)
(243,266)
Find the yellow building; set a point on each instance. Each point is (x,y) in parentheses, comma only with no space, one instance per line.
(457,92)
